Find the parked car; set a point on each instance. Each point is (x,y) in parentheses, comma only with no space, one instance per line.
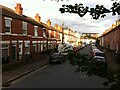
(64,48)
(56,57)
(94,51)
(100,56)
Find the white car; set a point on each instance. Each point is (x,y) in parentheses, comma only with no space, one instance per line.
(95,50)
(99,58)
(64,48)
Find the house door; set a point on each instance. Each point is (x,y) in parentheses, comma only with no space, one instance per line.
(13,52)
(20,50)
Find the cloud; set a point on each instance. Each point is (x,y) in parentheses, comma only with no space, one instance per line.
(49,9)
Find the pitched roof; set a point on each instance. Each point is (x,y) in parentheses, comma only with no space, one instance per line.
(114,29)
(11,13)
(49,27)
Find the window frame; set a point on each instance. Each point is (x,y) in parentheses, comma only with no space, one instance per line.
(44,33)
(36,31)
(24,27)
(8,26)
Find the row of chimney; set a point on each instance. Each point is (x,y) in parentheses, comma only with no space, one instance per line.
(113,26)
(19,10)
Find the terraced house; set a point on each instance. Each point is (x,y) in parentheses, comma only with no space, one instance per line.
(23,35)
(111,37)
(72,37)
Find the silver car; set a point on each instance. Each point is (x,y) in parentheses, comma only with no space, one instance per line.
(56,58)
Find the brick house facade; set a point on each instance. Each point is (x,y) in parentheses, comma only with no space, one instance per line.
(23,35)
(111,39)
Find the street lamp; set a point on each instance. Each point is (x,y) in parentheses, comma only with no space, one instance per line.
(62,32)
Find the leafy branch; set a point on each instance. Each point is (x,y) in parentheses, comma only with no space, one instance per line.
(91,67)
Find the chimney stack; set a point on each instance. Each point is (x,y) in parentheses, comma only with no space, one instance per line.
(113,25)
(117,22)
(48,22)
(60,28)
(56,26)
(19,9)
(38,18)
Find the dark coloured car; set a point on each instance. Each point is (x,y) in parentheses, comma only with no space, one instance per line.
(56,57)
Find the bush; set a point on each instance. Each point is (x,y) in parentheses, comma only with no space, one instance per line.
(92,67)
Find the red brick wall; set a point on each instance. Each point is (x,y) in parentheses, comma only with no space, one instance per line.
(3,24)
(113,39)
(30,30)
(52,34)
(40,32)
(47,33)
(55,34)
(16,27)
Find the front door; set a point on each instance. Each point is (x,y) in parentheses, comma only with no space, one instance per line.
(13,52)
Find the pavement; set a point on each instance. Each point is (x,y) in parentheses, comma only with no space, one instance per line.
(22,70)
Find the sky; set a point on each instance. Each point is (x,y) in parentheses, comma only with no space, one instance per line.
(49,9)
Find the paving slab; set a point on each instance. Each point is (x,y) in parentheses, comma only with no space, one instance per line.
(21,70)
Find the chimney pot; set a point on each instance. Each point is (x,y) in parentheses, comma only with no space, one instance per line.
(37,17)
(48,22)
(19,9)
(56,26)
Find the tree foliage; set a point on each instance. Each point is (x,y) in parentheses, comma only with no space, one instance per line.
(96,13)
(91,67)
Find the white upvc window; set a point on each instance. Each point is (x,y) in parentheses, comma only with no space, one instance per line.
(8,22)
(44,33)
(5,50)
(34,47)
(36,31)
(20,50)
(27,46)
(24,27)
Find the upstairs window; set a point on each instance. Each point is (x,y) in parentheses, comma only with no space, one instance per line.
(44,33)
(24,28)
(36,31)
(8,24)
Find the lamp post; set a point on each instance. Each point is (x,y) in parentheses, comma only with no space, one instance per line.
(62,32)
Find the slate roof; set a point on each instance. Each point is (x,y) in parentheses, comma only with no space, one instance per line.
(11,13)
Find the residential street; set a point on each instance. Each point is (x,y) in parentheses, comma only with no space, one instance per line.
(82,37)
(59,76)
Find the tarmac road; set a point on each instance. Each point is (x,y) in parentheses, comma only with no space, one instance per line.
(59,76)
